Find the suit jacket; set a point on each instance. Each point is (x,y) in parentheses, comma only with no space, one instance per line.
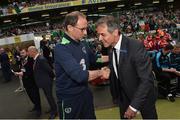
(135,74)
(43,73)
(4,60)
(28,76)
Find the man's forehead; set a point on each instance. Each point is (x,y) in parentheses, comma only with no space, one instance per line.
(101,27)
(23,51)
(82,21)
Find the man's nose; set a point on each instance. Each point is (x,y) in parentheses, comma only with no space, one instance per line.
(100,38)
(85,32)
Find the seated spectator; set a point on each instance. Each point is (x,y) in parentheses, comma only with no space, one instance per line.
(175,63)
(164,72)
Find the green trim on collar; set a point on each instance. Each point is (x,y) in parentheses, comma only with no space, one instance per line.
(99,60)
(64,41)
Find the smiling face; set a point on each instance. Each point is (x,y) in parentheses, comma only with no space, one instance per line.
(109,39)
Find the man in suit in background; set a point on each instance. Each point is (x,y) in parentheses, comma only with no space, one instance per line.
(44,75)
(5,65)
(131,78)
(28,80)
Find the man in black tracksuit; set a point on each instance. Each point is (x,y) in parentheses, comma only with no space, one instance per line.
(175,62)
(72,59)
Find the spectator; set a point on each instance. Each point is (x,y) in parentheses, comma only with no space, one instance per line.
(5,65)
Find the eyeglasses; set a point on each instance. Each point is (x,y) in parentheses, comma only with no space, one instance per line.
(82,29)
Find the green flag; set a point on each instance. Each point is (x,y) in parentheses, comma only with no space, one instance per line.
(17,9)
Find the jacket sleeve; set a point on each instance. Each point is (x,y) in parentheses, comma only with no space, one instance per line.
(46,67)
(65,59)
(143,68)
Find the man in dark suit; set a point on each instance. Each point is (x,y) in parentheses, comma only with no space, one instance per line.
(5,65)
(131,78)
(44,75)
(28,80)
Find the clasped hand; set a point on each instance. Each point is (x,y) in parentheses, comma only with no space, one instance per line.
(105,72)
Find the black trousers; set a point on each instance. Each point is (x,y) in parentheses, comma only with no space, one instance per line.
(164,79)
(6,71)
(79,106)
(49,96)
(178,86)
(148,110)
(33,92)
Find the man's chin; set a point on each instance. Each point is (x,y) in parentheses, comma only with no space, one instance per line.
(106,45)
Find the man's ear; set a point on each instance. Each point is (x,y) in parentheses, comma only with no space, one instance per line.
(116,32)
(69,28)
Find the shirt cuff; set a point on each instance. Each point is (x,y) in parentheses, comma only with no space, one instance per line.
(133,109)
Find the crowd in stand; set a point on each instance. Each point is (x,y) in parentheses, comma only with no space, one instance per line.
(40,2)
(135,23)
(146,21)
(19,5)
(37,28)
(132,24)
(30,3)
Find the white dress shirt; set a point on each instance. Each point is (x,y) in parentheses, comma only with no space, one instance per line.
(118,48)
(36,56)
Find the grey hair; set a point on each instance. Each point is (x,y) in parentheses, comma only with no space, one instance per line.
(32,48)
(110,21)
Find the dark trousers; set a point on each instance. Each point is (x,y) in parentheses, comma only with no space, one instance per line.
(164,79)
(34,96)
(33,93)
(78,106)
(49,59)
(148,111)
(49,96)
(178,86)
(6,71)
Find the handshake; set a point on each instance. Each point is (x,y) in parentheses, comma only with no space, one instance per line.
(105,72)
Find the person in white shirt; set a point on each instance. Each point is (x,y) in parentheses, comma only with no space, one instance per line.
(131,78)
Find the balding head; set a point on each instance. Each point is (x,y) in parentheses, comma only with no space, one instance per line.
(32,51)
(1,50)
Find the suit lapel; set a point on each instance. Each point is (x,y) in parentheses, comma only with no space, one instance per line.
(35,62)
(122,58)
(123,51)
(110,58)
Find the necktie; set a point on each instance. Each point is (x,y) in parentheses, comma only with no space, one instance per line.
(116,60)
(34,64)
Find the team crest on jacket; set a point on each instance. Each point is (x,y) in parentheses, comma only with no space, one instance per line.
(83,64)
(67,110)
